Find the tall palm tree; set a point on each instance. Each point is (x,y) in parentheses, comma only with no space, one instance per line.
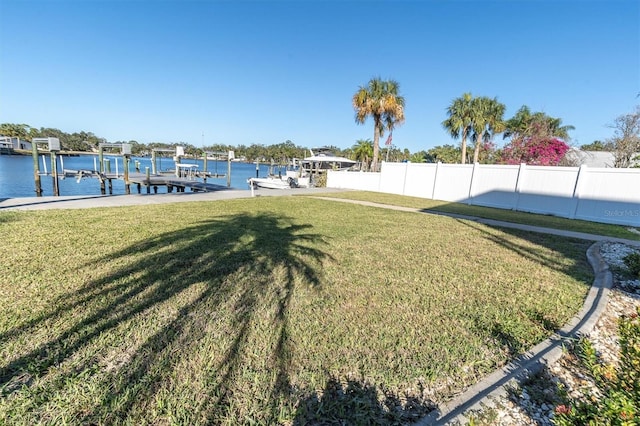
(380,99)
(363,152)
(487,120)
(458,123)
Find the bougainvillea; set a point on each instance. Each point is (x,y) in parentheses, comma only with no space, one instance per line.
(538,149)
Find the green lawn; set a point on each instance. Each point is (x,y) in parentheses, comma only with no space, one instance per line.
(269,310)
(546,221)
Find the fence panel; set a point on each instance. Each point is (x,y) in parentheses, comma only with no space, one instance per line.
(392,177)
(495,186)
(547,190)
(364,181)
(453,182)
(609,195)
(420,180)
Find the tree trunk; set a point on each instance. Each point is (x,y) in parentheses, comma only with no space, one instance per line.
(376,146)
(476,150)
(464,147)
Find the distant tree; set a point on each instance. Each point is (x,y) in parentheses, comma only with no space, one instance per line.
(380,100)
(626,138)
(283,152)
(137,148)
(488,153)
(598,146)
(486,120)
(363,152)
(419,157)
(15,130)
(540,147)
(459,121)
(392,154)
(82,141)
(444,154)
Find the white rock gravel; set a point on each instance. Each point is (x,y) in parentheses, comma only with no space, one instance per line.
(534,402)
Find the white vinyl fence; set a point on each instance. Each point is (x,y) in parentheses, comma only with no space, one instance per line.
(597,194)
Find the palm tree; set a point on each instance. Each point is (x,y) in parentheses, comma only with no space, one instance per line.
(459,122)
(380,100)
(523,123)
(486,120)
(557,129)
(519,123)
(363,151)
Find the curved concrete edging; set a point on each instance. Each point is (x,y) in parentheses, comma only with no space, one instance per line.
(549,351)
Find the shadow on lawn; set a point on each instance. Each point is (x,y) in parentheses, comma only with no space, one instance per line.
(564,248)
(356,402)
(242,265)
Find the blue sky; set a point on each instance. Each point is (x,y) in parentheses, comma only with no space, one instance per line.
(269,71)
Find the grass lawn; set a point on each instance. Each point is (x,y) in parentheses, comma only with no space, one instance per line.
(269,310)
(547,221)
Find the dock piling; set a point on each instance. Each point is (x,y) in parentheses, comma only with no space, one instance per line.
(125,166)
(36,169)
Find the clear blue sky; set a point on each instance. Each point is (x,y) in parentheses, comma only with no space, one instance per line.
(267,71)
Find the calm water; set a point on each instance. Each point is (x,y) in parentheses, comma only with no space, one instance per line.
(16,174)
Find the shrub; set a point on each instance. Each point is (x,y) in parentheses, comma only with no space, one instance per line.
(619,386)
(632,261)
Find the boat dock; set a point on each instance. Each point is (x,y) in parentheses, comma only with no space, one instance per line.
(149,181)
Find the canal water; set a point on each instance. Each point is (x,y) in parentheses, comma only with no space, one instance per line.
(16,173)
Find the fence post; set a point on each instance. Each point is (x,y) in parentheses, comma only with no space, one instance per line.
(435,181)
(473,174)
(519,181)
(406,172)
(580,177)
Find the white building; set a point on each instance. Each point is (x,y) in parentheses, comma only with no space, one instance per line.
(8,143)
(593,158)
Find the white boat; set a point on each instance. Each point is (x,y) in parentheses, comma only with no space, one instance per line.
(323,159)
(272,182)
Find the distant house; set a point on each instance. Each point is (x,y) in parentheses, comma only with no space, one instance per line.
(593,158)
(8,143)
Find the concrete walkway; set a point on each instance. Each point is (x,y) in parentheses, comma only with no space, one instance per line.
(491,222)
(475,397)
(95,201)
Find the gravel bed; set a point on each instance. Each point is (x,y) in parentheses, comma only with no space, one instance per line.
(534,402)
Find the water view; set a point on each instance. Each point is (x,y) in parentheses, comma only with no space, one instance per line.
(16,174)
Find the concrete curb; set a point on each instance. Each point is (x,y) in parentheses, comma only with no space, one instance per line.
(483,393)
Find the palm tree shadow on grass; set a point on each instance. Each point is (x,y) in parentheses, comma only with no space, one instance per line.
(563,248)
(242,265)
(356,402)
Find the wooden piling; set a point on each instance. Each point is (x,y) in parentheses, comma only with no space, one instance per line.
(125,164)
(36,169)
(54,173)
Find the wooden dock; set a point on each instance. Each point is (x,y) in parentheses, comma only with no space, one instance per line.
(171,181)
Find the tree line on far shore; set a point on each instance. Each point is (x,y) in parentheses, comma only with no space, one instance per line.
(89,142)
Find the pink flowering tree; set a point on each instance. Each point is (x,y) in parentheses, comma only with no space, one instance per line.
(540,148)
